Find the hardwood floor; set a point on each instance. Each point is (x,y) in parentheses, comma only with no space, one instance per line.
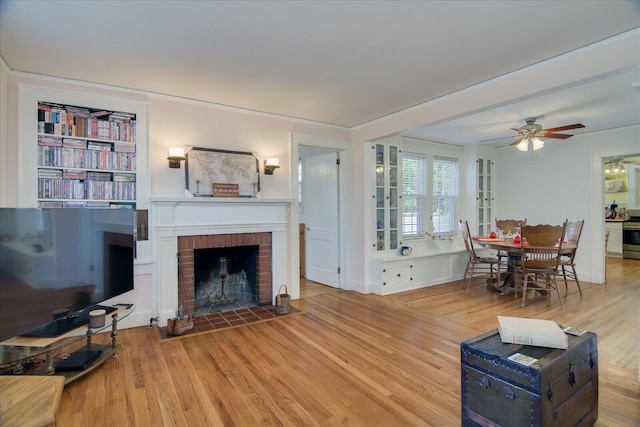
(349,359)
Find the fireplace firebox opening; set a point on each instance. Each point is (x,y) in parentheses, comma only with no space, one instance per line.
(225,279)
(248,264)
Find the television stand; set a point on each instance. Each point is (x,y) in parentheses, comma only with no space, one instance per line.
(27,355)
(66,324)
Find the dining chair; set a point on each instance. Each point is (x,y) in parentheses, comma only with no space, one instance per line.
(484,264)
(567,260)
(508,226)
(540,246)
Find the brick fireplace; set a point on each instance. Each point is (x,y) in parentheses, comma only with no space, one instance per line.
(181,225)
(187,271)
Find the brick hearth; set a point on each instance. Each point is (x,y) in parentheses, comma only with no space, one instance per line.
(186,269)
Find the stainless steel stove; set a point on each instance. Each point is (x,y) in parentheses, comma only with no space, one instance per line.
(631,235)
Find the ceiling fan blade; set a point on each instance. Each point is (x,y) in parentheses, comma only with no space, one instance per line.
(514,142)
(504,137)
(556,136)
(561,128)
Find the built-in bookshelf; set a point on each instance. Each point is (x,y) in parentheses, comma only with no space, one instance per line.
(86,157)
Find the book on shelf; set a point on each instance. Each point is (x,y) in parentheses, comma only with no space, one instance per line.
(536,332)
(85,122)
(100,114)
(124,177)
(48,204)
(99,176)
(98,204)
(49,173)
(124,147)
(55,128)
(77,111)
(74,142)
(49,141)
(121,115)
(74,204)
(101,146)
(74,174)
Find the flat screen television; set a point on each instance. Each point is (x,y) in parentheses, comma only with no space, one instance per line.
(57,264)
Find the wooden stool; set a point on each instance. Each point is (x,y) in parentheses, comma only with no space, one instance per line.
(30,400)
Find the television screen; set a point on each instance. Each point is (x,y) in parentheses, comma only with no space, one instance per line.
(57,262)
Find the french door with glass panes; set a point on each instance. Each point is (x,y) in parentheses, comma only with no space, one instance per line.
(387,196)
(484,196)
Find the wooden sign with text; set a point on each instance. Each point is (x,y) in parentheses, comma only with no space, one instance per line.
(225,190)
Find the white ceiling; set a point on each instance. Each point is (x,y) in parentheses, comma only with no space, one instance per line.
(345,63)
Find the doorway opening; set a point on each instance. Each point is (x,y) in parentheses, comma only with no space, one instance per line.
(598,202)
(319,214)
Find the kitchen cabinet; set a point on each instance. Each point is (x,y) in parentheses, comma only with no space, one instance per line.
(614,246)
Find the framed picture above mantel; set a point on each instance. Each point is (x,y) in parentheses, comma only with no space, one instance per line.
(205,167)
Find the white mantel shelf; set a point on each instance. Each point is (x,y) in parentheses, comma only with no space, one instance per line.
(171,217)
(209,215)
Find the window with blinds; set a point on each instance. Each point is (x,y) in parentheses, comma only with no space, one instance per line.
(414,195)
(446,191)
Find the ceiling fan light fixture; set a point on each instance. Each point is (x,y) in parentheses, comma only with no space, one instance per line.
(537,143)
(530,132)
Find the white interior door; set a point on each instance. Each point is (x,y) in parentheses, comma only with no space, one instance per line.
(320,179)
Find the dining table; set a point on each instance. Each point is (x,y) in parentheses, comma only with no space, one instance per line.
(514,252)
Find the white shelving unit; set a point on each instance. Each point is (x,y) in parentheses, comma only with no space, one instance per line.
(387,196)
(71,159)
(388,271)
(484,195)
(86,157)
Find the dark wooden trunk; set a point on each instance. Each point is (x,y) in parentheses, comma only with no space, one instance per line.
(560,389)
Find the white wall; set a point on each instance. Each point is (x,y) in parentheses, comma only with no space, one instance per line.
(563,180)
(171,122)
(547,186)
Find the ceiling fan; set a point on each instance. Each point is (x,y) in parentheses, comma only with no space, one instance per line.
(617,164)
(531,132)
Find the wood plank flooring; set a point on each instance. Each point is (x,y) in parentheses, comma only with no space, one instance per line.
(350,360)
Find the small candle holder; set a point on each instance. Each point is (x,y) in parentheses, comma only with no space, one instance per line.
(223,276)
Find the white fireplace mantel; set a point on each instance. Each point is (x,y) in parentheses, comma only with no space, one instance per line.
(173,217)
